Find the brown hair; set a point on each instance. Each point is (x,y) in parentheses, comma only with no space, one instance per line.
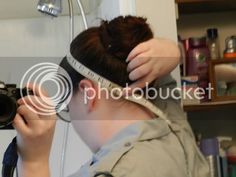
(104,49)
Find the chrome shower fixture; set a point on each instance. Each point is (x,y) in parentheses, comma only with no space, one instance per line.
(50,7)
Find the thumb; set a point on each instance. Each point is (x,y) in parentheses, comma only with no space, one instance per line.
(20,125)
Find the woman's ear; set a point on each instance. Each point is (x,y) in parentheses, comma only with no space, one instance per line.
(87,89)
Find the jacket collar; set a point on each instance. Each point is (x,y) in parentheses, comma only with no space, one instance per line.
(113,150)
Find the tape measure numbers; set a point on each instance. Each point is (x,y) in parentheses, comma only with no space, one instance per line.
(105,83)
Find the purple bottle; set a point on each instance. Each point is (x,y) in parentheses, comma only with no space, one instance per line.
(210,149)
(198,57)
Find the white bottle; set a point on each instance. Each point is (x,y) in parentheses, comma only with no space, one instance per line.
(213,43)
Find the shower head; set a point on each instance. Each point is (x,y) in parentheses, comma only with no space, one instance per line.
(50,7)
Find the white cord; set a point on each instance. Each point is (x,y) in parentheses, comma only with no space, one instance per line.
(83,14)
(71,14)
(63,155)
(66,132)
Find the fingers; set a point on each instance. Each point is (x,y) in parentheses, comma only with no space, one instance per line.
(136,62)
(29,114)
(141,48)
(38,91)
(141,83)
(30,100)
(37,103)
(20,125)
(140,72)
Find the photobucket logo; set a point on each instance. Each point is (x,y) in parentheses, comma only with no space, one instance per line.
(117,93)
(51,75)
(150,93)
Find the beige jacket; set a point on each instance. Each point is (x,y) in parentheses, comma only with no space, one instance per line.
(151,148)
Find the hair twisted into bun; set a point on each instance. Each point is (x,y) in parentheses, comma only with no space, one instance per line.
(104,49)
(122,34)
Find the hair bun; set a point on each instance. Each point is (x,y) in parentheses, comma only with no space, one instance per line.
(105,37)
(120,35)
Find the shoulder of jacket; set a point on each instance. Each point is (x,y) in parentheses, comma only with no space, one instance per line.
(108,163)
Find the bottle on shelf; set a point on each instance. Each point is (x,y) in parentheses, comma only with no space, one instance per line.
(230,51)
(223,155)
(182,56)
(198,56)
(213,43)
(232,160)
(210,149)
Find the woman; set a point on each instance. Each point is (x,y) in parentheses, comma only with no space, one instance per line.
(127,139)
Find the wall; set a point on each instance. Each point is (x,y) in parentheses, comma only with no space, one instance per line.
(32,41)
(109,9)
(197,24)
(45,37)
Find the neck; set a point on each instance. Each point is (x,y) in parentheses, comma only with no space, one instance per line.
(113,121)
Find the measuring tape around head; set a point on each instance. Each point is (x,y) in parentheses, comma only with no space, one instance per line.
(86,72)
(105,83)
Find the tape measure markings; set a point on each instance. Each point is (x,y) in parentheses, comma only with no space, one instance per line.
(86,72)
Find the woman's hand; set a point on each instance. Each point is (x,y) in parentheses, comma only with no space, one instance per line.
(35,134)
(151,60)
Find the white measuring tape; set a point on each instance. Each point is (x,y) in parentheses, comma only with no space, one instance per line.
(86,72)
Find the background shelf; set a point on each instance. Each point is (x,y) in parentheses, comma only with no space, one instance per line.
(210,106)
(205,6)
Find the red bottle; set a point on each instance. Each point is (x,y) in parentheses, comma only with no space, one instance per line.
(198,57)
